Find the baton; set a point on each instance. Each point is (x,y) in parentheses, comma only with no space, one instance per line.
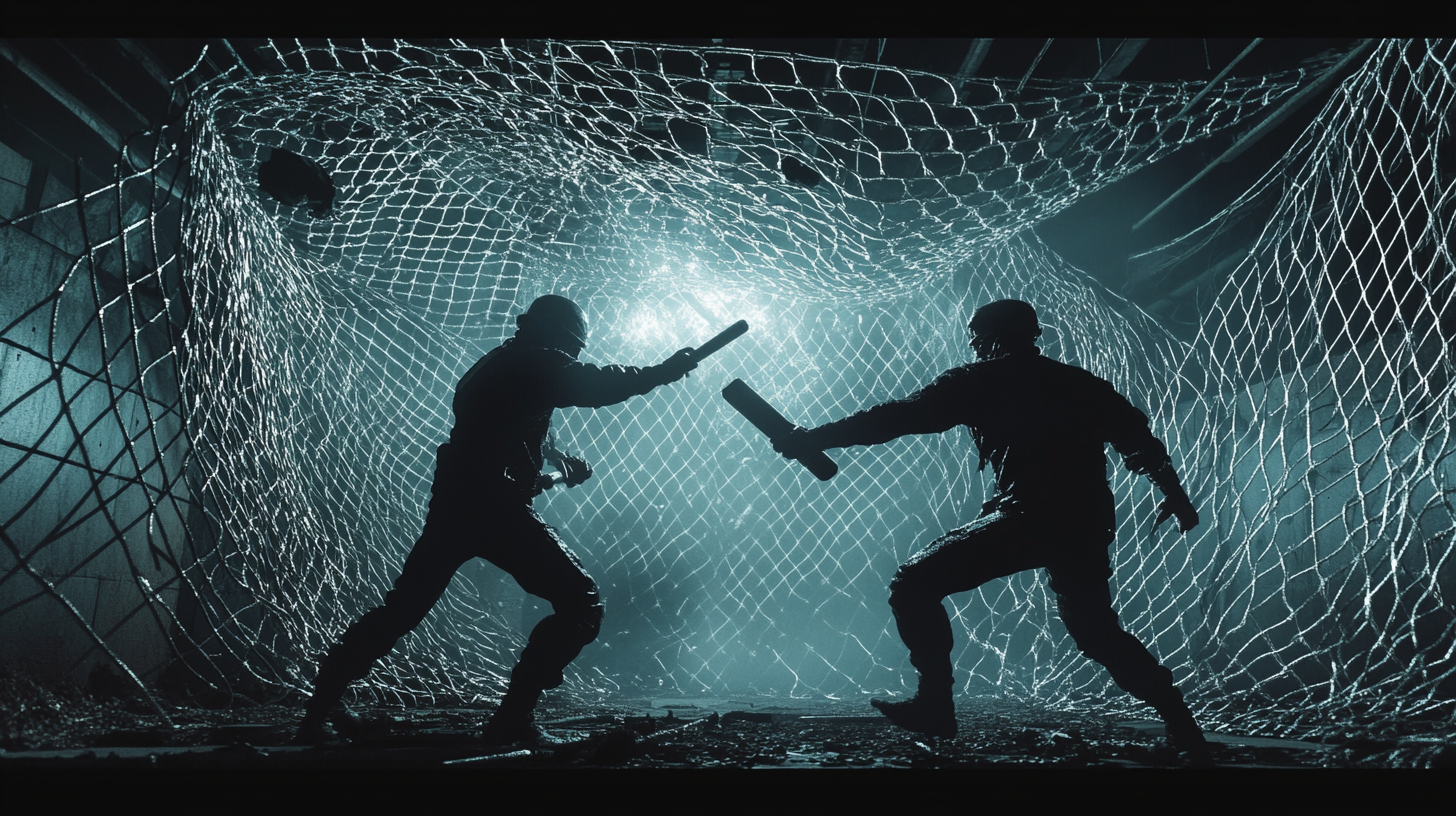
(773,425)
(722,339)
(719,340)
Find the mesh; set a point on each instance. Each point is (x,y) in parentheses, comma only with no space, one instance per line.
(296,377)
(1317,407)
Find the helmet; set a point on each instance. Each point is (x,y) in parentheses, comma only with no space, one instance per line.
(1006,321)
(555,320)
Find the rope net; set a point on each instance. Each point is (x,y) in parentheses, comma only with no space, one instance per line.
(279,407)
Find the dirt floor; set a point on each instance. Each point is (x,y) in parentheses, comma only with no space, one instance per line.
(74,729)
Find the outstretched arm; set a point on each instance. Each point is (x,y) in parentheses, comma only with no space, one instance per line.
(588,386)
(1146,454)
(929,410)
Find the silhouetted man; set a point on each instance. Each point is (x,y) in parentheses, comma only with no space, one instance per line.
(480,507)
(1042,425)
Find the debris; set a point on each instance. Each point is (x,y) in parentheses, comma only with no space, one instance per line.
(292,180)
(489,758)
(799,172)
(79,731)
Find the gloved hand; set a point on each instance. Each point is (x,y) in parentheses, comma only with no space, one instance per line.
(797,444)
(1177,505)
(675,367)
(574,470)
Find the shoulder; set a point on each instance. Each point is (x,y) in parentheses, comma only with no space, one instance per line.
(1103,398)
(513,360)
(961,372)
(1075,374)
(534,356)
(1076,383)
(958,377)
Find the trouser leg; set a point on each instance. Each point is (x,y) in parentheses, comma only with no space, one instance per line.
(543,566)
(427,572)
(993,546)
(442,547)
(1084,602)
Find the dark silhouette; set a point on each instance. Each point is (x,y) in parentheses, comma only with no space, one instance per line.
(1042,425)
(799,172)
(294,180)
(480,507)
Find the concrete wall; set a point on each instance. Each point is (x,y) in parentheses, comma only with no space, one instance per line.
(1325,569)
(91,443)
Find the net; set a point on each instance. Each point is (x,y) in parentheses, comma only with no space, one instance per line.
(294,380)
(1318,405)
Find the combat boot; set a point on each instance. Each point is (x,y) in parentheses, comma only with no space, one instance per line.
(1184,735)
(313,729)
(514,721)
(326,706)
(931,711)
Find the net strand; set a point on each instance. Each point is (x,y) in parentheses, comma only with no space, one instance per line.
(252,407)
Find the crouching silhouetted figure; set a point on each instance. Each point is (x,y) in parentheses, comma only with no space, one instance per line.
(480,507)
(1042,425)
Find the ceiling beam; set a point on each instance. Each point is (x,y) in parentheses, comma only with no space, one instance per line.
(1262,129)
(851,50)
(148,62)
(1126,51)
(1034,63)
(975,55)
(236,58)
(1218,270)
(1206,88)
(96,123)
(68,100)
(139,117)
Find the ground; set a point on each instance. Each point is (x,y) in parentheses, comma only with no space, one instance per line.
(59,727)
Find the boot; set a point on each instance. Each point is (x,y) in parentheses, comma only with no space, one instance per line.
(326,707)
(317,717)
(931,711)
(514,721)
(1184,735)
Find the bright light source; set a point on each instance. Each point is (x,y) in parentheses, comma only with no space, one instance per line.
(646,328)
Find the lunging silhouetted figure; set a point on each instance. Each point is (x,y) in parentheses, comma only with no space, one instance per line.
(1042,425)
(480,507)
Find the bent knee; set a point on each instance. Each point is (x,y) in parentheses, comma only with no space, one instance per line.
(591,624)
(584,619)
(382,626)
(1102,640)
(909,588)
